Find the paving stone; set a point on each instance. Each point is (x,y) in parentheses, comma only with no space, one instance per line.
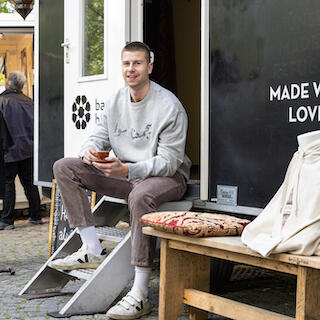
(26,249)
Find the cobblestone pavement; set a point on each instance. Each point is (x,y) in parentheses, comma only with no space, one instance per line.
(26,249)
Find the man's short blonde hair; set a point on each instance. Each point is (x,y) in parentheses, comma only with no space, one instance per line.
(138,46)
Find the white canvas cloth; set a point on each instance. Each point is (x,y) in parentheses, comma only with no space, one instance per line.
(291,220)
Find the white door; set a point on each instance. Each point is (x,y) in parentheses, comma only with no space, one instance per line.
(95,33)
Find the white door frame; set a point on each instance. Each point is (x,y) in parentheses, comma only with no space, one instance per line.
(36,99)
(204,122)
(136,20)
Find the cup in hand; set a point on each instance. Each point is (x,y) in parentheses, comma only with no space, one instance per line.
(102,155)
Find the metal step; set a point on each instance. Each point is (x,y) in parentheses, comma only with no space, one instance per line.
(104,284)
(111,234)
(82,274)
(110,238)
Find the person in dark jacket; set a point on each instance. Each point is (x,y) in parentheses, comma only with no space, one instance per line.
(17,113)
(5,141)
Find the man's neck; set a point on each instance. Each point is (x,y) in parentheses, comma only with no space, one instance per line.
(139,94)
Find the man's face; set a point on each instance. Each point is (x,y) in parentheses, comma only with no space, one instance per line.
(135,69)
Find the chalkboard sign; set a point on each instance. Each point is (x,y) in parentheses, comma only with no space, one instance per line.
(264,91)
(59,229)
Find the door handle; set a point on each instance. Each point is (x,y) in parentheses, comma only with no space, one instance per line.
(66,46)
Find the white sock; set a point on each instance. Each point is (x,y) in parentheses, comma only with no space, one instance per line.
(141,279)
(89,237)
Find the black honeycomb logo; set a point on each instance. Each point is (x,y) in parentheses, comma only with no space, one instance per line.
(81,112)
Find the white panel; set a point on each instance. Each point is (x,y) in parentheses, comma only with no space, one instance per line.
(136,20)
(15,20)
(36,93)
(204,151)
(95,90)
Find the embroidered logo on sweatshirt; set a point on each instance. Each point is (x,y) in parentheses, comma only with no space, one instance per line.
(81,112)
(134,133)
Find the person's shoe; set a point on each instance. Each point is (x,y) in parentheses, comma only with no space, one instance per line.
(80,259)
(35,222)
(132,306)
(6,226)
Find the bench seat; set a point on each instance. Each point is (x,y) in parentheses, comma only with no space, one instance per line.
(185,275)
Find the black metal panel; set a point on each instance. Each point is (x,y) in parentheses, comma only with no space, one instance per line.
(51,133)
(255,45)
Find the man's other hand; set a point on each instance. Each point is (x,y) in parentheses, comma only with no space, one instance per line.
(112,167)
(90,156)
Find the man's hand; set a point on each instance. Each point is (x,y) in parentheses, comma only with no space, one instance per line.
(112,167)
(90,156)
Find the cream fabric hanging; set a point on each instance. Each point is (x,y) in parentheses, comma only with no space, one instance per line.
(291,220)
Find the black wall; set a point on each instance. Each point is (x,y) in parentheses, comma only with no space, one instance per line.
(51,133)
(255,45)
(159,36)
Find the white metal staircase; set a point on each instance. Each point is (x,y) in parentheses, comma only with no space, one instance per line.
(104,284)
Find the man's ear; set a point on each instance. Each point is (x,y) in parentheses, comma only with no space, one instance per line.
(150,67)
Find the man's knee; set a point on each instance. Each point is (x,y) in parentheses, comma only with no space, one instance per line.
(60,167)
(140,201)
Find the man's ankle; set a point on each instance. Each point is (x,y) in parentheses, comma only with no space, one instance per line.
(141,279)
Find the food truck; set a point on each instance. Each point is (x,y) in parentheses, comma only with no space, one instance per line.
(246,71)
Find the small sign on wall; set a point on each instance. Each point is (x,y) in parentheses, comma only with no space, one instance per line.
(59,229)
(227,195)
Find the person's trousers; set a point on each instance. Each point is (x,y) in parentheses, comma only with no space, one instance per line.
(144,196)
(24,169)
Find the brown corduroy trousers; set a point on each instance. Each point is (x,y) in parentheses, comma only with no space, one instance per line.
(144,196)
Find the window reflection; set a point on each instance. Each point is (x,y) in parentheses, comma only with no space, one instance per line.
(93,39)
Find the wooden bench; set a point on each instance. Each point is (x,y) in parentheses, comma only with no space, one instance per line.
(185,278)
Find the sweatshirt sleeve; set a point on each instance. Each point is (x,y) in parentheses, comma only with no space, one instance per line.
(99,138)
(170,151)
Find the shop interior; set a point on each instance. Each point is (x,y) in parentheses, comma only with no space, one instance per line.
(172,30)
(16,53)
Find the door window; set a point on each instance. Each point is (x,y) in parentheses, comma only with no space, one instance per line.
(93,38)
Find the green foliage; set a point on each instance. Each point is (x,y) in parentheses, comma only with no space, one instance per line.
(5,6)
(94,37)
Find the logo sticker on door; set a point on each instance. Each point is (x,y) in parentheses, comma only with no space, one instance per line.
(81,112)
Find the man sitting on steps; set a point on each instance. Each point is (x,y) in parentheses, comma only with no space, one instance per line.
(146,126)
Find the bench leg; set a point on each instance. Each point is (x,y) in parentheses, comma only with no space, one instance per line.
(200,280)
(180,270)
(308,293)
(196,314)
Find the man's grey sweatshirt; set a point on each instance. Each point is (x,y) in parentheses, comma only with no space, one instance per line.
(149,135)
